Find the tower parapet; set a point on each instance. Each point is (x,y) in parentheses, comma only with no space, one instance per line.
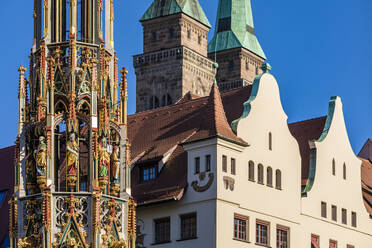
(72,185)
(174,61)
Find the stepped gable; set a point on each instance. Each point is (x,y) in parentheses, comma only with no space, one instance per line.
(305,131)
(7,156)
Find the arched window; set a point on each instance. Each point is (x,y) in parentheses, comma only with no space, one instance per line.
(156,102)
(151,103)
(260,174)
(278,179)
(334,167)
(269,179)
(163,100)
(344,170)
(169,99)
(251,171)
(60,107)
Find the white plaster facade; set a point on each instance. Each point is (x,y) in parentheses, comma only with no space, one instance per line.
(286,207)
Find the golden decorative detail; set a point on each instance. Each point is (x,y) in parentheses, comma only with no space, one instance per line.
(118,244)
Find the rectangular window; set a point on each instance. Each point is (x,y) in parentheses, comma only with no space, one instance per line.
(344,216)
(332,244)
(334,213)
(324,210)
(262,233)
(208,163)
(314,240)
(224,163)
(188,226)
(148,173)
(233,166)
(241,227)
(350,246)
(197,165)
(162,230)
(282,237)
(353,219)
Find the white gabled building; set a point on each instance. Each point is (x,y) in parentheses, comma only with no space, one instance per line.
(256,182)
(228,170)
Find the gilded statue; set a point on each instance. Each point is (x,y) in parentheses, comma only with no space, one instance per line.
(72,154)
(30,165)
(41,157)
(104,158)
(115,167)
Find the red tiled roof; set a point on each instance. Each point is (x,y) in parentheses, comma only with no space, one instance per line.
(154,133)
(170,184)
(305,131)
(367,184)
(187,97)
(366,151)
(6,185)
(157,131)
(214,122)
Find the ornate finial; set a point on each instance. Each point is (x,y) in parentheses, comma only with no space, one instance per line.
(22,69)
(22,82)
(123,86)
(266,67)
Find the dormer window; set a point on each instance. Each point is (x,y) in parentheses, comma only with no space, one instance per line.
(148,173)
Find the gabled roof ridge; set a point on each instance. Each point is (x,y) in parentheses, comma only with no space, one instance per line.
(7,147)
(168,107)
(202,98)
(219,124)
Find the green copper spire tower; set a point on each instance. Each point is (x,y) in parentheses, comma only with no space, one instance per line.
(234,33)
(235,28)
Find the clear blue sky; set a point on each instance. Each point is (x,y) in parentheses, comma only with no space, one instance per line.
(317,49)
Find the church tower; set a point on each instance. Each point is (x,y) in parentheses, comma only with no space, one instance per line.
(235,46)
(72,176)
(175,59)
